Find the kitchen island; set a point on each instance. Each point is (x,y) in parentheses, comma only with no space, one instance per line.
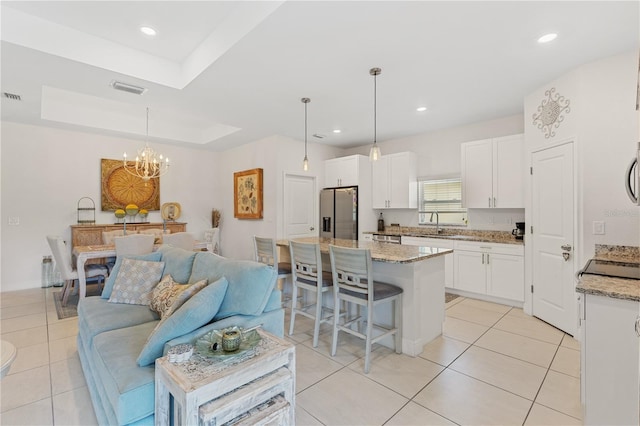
(419,271)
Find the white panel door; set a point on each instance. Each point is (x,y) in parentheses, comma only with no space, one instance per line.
(553,218)
(470,271)
(380,183)
(505,276)
(300,209)
(508,172)
(477,171)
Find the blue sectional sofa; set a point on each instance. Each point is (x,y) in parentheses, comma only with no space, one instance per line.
(112,336)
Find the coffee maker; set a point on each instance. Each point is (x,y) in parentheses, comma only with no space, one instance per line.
(519,231)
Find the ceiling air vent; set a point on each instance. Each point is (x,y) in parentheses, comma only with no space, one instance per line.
(118,85)
(318,136)
(11,96)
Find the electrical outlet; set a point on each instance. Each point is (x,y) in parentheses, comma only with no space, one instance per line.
(598,227)
(14,221)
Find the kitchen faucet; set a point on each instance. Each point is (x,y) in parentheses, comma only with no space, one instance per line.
(438,230)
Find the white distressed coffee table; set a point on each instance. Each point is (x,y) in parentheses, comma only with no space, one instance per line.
(254,387)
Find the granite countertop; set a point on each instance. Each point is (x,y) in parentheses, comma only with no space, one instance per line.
(380,252)
(617,288)
(457,234)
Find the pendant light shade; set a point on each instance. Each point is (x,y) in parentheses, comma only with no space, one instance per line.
(374,152)
(305,162)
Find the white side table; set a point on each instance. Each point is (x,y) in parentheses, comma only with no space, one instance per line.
(7,357)
(254,387)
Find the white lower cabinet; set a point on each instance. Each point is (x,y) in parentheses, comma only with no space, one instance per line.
(437,243)
(489,269)
(610,353)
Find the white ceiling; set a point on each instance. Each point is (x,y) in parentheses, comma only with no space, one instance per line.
(224,73)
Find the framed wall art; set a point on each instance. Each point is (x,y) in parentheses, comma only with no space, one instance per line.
(120,188)
(247,194)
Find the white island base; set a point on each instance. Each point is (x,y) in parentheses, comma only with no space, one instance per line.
(422,301)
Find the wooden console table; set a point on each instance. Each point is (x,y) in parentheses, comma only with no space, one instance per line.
(91,235)
(257,387)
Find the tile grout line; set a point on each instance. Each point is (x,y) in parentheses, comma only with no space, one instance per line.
(542,383)
(53,418)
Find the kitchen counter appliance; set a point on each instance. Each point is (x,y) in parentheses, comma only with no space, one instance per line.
(339,213)
(612,268)
(518,232)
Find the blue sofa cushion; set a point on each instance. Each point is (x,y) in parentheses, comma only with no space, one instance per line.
(250,283)
(108,285)
(196,312)
(96,315)
(178,262)
(129,388)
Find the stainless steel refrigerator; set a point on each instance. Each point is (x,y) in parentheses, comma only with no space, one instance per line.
(339,213)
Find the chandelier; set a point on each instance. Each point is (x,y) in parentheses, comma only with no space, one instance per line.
(148,164)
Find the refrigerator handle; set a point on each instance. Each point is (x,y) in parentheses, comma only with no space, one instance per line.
(326,224)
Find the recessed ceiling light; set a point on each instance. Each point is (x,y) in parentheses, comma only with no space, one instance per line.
(337,131)
(148,31)
(420,109)
(547,38)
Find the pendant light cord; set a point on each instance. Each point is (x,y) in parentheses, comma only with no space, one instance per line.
(305,129)
(375,108)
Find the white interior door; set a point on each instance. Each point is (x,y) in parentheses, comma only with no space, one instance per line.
(553,219)
(300,206)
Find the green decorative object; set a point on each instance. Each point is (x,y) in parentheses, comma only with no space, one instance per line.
(211,344)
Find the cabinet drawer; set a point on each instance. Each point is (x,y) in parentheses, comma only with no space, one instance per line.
(512,249)
(427,242)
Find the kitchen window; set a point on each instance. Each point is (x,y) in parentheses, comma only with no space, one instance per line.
(443,196)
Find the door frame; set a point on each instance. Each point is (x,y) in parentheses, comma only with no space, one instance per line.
(285,194)
(577,220)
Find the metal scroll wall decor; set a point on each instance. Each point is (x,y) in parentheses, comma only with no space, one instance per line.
(550,112)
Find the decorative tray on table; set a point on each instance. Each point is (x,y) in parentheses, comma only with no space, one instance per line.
(227,342)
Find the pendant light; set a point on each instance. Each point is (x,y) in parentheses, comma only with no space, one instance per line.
(305,162)
(374,153)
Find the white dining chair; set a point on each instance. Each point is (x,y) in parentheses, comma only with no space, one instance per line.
(265,251)
(108,236)
(353,283)
(309,277)
(183,240)
(156,232)
(68,272)
(134,244)
(212,238)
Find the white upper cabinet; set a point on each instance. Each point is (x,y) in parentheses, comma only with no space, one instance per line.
(492,173)
(343,171)
(395,182)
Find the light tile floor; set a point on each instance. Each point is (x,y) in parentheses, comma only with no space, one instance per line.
(493,365)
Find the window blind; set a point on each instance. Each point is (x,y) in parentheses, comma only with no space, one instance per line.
(441,195)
